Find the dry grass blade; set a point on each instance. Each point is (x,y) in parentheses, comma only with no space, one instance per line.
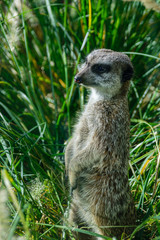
(39,101)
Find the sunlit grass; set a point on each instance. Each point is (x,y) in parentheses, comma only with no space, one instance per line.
(39,101)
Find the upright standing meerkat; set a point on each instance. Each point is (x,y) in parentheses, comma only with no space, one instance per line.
(97,155)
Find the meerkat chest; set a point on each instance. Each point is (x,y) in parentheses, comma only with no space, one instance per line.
(106,127)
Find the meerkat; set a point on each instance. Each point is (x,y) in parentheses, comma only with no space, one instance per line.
(97,155)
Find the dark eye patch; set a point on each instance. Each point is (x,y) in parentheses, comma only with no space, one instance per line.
(101,68)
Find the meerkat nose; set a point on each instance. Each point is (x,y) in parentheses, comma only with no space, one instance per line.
(78,79)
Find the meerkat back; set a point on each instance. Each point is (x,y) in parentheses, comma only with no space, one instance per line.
(97,156)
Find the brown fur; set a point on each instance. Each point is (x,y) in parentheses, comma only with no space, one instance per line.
(98,153)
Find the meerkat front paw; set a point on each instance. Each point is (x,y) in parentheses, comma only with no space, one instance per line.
(72,179)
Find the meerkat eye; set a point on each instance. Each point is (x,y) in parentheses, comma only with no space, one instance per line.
(100,68)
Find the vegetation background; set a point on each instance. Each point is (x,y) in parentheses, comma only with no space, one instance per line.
(41,44)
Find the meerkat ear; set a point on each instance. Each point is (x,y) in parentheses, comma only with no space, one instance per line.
(128,73)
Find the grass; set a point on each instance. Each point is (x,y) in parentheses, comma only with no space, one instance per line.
(41,44)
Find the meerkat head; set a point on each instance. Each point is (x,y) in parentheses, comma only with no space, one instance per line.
(106,72)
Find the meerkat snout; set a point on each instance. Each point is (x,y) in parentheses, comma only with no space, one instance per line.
(78,79)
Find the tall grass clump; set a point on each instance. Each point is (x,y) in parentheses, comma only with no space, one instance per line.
(41,44)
